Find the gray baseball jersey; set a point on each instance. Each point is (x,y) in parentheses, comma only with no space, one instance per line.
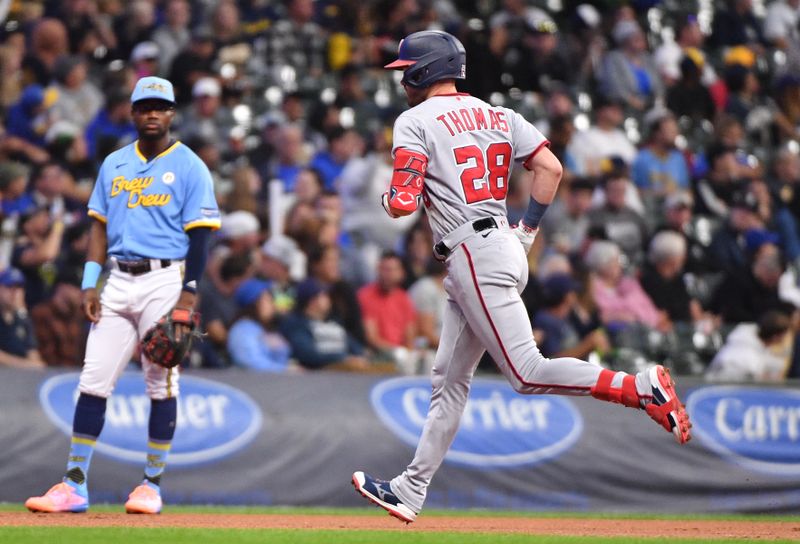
(471,148)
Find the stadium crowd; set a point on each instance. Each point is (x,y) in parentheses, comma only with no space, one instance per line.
(675,235)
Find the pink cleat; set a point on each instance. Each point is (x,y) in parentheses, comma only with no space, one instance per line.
(143,500)
(60,498)
(666,408)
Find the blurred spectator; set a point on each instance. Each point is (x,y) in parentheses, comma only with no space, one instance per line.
(361,183)
(13,185)
(780,24)
(603,139)
(282,263)
(10,76)
(786,122)
(240,232)
(253,341)
(547,61)
(618,221)
(743,96)
(17,341)
(723,180)
(343,144)
(745,296)
(688,43)
(784,186)
(728,248)
(317,341)
(60,333)
(689,97)
(72,257)
(192,63)
(417,253)
(134,26)
(84,25)
(111,128)
(324,266)
(207,118)
(556,333)
(663,280)
(736,24)
(678,217)
(290,157)
(756,352)
(173,35)
(388,312)
(561,129)
(566,223)
(351,94)
(508,40)
(145,59)
(78,99)
(297,42)
(659,168)
(430,302)
(36,252)
(244,191)
(48,42)
(28,118)
(218,308)
(52,187)
(619,297)
(628,72)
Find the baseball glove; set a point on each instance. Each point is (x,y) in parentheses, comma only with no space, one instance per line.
(164,344)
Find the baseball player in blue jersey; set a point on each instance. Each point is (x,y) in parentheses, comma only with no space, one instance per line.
(154,209)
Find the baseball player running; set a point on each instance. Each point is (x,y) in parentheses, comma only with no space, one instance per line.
(455,153)
(153,207)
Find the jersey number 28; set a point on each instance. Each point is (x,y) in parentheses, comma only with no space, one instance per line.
(486,175)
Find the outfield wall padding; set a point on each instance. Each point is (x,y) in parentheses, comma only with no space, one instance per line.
(266,439)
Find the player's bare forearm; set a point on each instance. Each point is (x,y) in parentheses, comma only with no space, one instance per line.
(547,172)
(186,301)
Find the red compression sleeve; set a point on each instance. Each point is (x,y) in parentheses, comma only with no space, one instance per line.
(407,180)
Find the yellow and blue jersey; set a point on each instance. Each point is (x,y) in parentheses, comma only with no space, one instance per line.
(148,206)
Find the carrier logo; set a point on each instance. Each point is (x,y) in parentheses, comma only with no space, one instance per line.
(214,419)
(500,428)
(756,428)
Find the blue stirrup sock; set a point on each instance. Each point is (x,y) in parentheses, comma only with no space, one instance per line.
(163,416)
(90,414)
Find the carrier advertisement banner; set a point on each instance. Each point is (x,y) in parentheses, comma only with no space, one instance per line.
(263,439)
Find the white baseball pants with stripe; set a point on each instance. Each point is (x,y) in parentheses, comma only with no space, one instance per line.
(486,275)
(130,305)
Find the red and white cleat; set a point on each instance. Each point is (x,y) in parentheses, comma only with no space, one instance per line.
(666,408)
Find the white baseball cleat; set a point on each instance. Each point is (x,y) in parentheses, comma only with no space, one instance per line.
(380,493)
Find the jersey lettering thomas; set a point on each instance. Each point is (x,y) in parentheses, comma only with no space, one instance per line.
(148,206)
(471,147)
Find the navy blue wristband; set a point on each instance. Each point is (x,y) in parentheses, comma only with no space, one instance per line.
(534,214)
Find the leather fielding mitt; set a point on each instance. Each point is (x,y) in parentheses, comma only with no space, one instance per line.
(168,341)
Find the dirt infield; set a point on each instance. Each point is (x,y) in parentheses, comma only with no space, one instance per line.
(761,530)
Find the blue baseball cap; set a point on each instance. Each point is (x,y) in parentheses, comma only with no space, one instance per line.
(153,88)
(11,277)
(250,291)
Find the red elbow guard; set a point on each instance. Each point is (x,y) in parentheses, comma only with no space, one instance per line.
(407,180)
